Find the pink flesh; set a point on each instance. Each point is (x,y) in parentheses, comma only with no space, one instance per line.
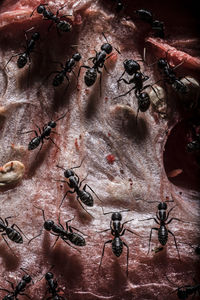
(94,128)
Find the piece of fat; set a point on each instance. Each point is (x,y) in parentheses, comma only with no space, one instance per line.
(11,172)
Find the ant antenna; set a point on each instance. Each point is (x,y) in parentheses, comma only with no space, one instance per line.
(111,212)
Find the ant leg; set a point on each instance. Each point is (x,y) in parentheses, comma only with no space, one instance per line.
(110,241)
(11,283)
(71,246)
(49,138)
(11,58)
(169,212)
(76,230)
(154,228)
(35,236)
(83,66)
(71,192)
(57,13)
(7,243)
(84,188)
(151,219)
(30,132)
(1,289)
(15,225)
(103,230)
(126,229)
(127,257)
(106,70)
(84,207)
(175,243)
(55,242)
(124,93)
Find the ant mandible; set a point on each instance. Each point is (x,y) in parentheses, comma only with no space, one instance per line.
(61,25)
(117,230)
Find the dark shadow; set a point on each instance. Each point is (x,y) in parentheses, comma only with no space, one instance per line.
(10,260)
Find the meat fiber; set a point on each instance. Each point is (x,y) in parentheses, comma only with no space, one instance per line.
(126,164)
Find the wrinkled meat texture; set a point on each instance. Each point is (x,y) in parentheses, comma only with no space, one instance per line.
(96,127)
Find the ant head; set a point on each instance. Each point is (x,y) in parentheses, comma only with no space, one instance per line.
(22,60)
(48,224)
(9,297)
(116,216)
(76,56)
(52,124)
(119,6)
(64,26)
(40,9)
(48,275)
(27,278)
(68,173)
(162,63)
(107,48)
(131,66)
(36,36)
(182,294)
(162,205)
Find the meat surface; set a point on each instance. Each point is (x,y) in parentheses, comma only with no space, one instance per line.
(127,164)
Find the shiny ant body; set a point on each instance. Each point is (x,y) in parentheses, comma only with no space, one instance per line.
(185,291)
(59,231)
(117,230)
(44,134)
(156,25)
(161,219)
(30,46)
(194,145)
(19,289)
(170,76)
(53,287)
(132,67)
(61,25)
(98,62)
(75,183)
(10,232)
(68,68)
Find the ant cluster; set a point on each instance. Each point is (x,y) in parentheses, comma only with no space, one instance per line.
(70,235)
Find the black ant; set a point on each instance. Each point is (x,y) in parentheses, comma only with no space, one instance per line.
(194,145)
(117,230)
(30,45)
(61,25)
(69,65)
(75,183)
(161,220)
(59,231)
(19,289)
(157,26)
(53,287)
(183,292)
(98,62)
(10,232)
(132,67)
(119,5)
(43,135)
